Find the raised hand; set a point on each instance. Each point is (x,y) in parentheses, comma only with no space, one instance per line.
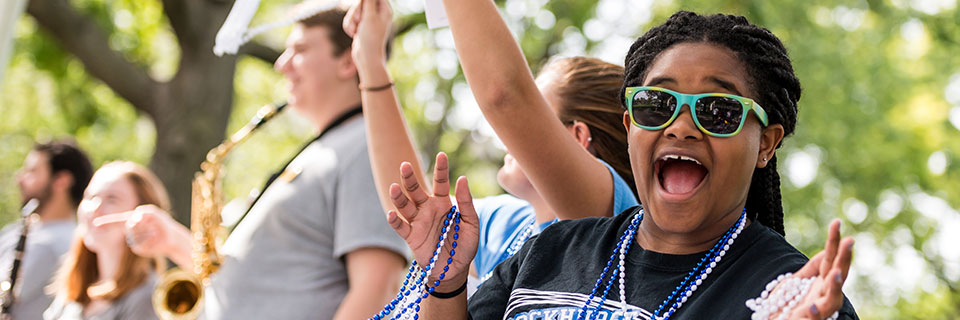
(829,270)
(368,22)
(419,216)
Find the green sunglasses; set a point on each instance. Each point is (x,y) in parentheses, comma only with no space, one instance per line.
(716,114)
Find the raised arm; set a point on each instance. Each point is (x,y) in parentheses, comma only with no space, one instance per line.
(388,139)
(509,99)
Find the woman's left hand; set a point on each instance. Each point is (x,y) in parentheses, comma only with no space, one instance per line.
(829,269)
(369,23)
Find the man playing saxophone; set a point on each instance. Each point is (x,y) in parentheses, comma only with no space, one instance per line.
(315,244)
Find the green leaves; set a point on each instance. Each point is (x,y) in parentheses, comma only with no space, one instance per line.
(874,146)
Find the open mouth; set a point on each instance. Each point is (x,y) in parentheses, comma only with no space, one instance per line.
(679,174)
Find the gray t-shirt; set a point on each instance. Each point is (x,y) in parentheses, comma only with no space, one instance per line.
(46,244)
(285,258)
(134,305)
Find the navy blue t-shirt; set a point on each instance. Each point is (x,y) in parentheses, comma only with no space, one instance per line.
(552,275)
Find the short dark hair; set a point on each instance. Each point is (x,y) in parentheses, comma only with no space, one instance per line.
(64,155)
(772,79)
(332,19)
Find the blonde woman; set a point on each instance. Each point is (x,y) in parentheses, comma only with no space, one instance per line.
(102,278)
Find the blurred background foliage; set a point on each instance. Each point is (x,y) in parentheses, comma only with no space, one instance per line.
(876,145)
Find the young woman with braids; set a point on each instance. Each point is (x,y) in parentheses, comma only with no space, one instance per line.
(588,142)
(709,100)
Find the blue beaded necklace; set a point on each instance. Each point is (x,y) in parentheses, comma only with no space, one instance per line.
(680,294)
(415,288)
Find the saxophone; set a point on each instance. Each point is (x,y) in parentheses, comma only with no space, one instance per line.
(179,293)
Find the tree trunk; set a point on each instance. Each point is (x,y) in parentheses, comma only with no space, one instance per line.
(195,106)
(190,112)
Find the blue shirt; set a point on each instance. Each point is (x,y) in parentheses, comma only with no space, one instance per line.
(504,218)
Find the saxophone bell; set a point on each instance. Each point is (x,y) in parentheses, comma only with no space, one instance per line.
(179,295)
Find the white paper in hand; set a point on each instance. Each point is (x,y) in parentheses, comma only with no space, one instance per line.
(436,14)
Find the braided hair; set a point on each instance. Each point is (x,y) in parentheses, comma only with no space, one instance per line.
(771,77)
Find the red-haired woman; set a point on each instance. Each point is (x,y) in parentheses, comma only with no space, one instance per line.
(102,278)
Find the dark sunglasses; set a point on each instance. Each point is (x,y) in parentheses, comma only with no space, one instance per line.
(716,114)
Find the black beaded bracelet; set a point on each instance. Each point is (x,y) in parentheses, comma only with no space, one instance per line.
(448,295)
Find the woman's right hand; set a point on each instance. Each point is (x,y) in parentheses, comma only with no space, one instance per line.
(419,219)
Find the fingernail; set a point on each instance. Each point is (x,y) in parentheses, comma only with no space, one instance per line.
(838,278)
(813,309)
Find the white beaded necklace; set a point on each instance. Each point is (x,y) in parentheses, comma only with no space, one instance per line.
(791,290)
(623,246)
